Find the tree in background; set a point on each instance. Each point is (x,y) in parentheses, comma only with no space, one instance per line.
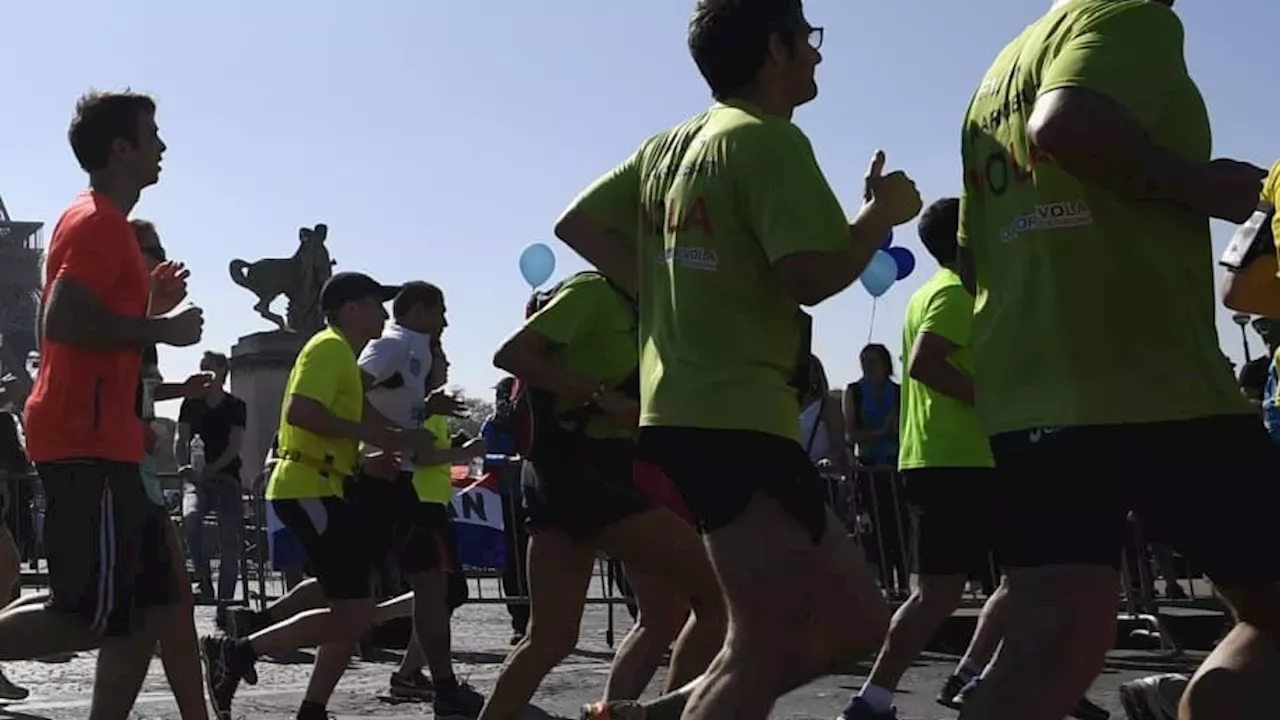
(478,410)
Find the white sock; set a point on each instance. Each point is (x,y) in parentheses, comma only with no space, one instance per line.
(880,699)
(969,669)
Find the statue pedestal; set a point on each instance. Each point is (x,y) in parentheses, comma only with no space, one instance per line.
(260,365)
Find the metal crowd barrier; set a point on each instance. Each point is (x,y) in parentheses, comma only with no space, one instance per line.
(870,502)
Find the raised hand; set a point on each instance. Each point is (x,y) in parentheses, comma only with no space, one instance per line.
(892,199)
(168,286)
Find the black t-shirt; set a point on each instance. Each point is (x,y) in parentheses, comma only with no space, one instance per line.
(13,458)
(213,424)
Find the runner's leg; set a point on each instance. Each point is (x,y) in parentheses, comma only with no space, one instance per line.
(661,613)
(179,647)
(559,573)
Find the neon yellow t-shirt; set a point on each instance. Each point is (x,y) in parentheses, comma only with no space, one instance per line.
(594,331)
(325,371)
(1091,309)
(1271,194)
(434,483)
(713,204)
(936,431)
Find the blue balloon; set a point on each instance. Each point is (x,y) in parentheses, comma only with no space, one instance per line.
(537,263)
(888,240)
(903,260)
(880,275)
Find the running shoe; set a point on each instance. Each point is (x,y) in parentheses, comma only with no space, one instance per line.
(859,709)
(459,703)
(950,689)
(226,664)
(616,710)
(1153,698)
(412,686)
(10,691)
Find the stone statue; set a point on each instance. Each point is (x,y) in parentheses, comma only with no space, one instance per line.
(298,278)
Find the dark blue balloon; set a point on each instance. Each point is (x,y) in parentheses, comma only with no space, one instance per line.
(888,240)
(905,261)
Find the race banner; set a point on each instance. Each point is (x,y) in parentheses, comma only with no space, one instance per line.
(476,510)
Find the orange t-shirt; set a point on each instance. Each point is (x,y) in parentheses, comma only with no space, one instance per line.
(83,402)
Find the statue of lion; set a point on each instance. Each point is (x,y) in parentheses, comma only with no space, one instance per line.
(298,278)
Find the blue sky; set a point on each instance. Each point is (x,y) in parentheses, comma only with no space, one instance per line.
(437,139)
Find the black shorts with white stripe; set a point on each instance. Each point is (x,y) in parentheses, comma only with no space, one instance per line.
(106,543)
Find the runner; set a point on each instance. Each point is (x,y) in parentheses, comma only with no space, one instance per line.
(408,518)
(577,357)
(1089,189)
(110,578)
(737,229)
(948,475)
(322,423)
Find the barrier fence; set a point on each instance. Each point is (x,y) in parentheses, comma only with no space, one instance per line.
(869,502)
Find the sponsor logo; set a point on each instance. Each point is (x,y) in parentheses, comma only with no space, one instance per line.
(1049,216)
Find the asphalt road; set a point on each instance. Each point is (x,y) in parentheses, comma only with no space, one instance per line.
(481,640)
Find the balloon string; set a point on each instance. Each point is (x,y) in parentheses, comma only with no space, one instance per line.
(871,327)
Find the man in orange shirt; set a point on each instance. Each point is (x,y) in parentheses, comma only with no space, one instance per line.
(109,569)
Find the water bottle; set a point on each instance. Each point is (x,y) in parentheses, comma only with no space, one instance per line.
(197,454)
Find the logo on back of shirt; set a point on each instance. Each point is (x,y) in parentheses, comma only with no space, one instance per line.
(1049,216)
(693,258)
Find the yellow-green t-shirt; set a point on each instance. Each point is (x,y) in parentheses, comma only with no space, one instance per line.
(593,329)
(434,483)
(713,204)
(934,430)
(1271,194)
(1091,309)
(325,371)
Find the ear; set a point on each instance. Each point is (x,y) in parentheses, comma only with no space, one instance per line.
(778,53)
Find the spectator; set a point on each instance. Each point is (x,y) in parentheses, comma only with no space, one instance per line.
(218,418)
(498,433)
(13,462)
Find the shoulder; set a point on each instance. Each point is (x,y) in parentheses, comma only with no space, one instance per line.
(326,345)
(1152,21)
(89,218)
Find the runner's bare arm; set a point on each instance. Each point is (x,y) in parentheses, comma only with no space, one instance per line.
(75,316)
(930,364)
(611,252)
(315,418)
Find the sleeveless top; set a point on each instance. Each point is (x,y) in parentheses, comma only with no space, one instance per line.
(874,407)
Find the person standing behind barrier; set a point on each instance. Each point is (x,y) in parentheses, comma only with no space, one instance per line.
(1089,187)
(500,446)
(110,576)
(576,358)
(322,423)
(218,417)
(872,407)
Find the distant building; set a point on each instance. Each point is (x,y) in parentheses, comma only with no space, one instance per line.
(21,258)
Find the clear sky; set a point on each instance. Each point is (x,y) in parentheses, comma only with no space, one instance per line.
(437,139)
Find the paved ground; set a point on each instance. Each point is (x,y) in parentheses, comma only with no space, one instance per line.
(62,691)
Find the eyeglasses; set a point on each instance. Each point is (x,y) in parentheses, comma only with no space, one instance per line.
(155,252)
(815,37)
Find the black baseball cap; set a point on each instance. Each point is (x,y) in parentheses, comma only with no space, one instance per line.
(346,287)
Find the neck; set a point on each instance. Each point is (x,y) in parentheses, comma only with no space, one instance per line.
(953,267)
(215,393)
(769,102)
(356,339)
(123,195)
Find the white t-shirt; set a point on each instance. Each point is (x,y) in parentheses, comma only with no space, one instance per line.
(399,363)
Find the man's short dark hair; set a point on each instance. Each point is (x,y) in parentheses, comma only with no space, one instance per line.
(939,225)
(102,118)
(729,39)
(413,294)
(217,360)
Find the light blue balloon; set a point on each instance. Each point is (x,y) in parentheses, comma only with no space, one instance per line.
(537,263)
(880,274)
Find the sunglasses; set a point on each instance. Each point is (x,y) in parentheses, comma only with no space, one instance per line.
(155,252)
